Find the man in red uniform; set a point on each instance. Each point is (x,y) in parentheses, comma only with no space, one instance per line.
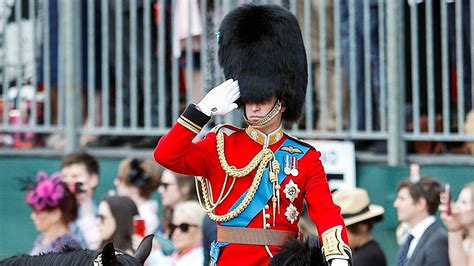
(253,181)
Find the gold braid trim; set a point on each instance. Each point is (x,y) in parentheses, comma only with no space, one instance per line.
(261,160)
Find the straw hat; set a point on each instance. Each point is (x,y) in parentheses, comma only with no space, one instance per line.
(355,205)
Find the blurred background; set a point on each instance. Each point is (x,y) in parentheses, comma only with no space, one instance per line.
(392,78)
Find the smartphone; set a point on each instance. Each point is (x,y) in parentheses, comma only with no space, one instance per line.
(447,191)
(139,226)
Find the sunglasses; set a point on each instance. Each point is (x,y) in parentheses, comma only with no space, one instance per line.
(165,185)
(184,227)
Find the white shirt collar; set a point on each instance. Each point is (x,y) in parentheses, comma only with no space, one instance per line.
(420,228)
(417,232)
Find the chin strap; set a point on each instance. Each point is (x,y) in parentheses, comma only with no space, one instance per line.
(275,110)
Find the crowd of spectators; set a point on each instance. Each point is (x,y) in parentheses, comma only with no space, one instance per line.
(64,212)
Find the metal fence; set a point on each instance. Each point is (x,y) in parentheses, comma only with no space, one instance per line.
(392,76)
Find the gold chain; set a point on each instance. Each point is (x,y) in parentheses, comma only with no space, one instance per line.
(261,160)
(232,170)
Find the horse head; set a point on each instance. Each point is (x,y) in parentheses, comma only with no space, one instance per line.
(108,256)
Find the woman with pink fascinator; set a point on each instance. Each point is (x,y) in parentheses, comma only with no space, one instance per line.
(53,208)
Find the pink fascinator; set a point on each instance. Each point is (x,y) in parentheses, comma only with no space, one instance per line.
(47,192)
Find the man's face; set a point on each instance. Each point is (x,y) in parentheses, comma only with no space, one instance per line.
(256,111)
(407,209)
(79,180)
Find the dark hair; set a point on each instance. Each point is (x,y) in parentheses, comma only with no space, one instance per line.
(68,206)
(144,174)
(356,229)
(428,188)
(89,161)
(123,209)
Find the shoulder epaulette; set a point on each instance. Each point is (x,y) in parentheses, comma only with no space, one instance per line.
(217,128)
(302,142)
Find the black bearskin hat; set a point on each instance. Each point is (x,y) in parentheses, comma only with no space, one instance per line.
(261,46)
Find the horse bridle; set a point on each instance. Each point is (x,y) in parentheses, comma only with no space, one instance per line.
(98,260)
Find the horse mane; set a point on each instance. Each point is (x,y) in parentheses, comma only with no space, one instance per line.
(68,257)
(71,256)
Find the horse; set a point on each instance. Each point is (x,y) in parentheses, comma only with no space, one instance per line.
(108,256)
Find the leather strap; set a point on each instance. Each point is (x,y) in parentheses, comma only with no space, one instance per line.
(253,236)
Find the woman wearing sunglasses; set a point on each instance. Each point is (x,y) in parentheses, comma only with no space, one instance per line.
(186,235)
(173,189)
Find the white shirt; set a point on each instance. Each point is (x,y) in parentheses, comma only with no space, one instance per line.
(417,232)
(193,257)
(88,224)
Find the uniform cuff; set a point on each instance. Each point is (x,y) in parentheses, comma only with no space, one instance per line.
(333,245)
(193,119)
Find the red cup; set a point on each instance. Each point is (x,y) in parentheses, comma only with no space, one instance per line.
(139,226)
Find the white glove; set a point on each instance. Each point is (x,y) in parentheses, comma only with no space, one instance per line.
(220,100)
(339,262)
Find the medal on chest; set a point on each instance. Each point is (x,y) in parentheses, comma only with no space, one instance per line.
(291,165)
(291,192)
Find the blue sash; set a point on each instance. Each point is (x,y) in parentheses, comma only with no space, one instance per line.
(264,190)
(262,195)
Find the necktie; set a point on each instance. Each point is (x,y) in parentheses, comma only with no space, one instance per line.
(402,260)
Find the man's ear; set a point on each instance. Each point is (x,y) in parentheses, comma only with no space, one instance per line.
(422,203)
(94,181)
(283,106)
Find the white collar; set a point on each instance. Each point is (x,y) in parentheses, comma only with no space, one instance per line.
(418,230)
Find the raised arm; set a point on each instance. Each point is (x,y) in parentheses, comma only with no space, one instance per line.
(176,150)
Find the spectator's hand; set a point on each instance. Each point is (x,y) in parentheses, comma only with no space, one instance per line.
(220,100)
(451,221)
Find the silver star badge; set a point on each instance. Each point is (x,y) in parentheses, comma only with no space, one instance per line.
(291,213)
(291,191)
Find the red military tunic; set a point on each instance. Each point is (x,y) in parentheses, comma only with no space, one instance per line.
(177,152)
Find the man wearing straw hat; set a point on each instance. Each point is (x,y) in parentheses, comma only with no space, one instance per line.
(256,179)
(360,216)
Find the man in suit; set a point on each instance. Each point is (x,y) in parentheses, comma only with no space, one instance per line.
(416,204)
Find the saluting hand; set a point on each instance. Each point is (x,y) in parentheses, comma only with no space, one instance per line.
(221,99)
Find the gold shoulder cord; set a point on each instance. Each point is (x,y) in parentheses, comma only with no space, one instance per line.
(260,160)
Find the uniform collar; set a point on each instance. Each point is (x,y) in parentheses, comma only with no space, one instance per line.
(264,139)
